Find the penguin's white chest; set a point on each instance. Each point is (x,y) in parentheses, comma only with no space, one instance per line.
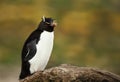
(44,49)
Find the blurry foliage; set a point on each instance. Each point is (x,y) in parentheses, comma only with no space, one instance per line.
(88,31)
(60,7)
(16,2)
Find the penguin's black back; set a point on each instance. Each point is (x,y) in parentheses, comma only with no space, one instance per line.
(34,36)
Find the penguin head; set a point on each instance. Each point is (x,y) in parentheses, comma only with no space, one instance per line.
(47,24)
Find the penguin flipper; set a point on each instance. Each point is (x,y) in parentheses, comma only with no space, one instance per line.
(31,50)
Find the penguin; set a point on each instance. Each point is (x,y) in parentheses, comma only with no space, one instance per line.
(37,48)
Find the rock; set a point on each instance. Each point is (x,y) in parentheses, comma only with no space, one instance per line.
(69,73)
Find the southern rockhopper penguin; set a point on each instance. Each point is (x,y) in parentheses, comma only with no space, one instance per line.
(37,48)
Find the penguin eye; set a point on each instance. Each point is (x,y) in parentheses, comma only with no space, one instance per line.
(47,22)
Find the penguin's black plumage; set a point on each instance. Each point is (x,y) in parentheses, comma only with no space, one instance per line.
(37,48)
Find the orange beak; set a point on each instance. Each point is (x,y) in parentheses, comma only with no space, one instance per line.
(54,24)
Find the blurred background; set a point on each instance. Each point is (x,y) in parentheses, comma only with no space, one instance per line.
(88,33)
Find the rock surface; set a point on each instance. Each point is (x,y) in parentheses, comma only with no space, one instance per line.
(69,73)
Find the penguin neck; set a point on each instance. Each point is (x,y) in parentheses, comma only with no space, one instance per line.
(39,30)
(48,30)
